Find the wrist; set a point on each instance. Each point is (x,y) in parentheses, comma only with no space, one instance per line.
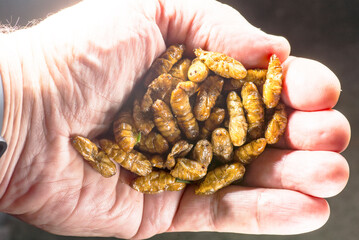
(15,62)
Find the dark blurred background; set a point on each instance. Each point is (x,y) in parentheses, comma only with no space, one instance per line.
(324,30)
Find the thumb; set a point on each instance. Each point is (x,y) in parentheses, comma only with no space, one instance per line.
(218,27)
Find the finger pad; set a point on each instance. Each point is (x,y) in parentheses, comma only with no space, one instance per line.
(317,173)
(326,130)
(309,85)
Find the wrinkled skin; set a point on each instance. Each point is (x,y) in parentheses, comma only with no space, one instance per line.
(71,73)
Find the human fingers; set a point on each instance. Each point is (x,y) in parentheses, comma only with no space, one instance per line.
(317,173)
(309,85)
(250,210)
(326,130)
(158,212)
(218,27)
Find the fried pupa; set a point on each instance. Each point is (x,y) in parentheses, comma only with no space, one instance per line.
(198,71)
(222,145)
(134,161)
(180,69)
(237,121)
(165,122)
(156,182)
(153,143)
(220,177)
(221,64)
(160,88)
(183,111)
(272,87)
(203,152)
(189,87)
(256,76)
(158,161)
(246,153)
(180,149)
(142,120)
(188,170)
(214,121)
(125,131)
(164,63)
(95,157)
(207,95)
(277,125)
(254,108)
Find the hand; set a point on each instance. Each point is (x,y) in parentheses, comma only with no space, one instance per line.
(70,75)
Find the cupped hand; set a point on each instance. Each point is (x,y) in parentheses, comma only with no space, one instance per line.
(77,69)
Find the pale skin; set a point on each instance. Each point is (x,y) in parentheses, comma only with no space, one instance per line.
(71,73)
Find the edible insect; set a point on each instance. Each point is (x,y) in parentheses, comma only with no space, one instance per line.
(207,95)
(277,125)
(182,109)
(246,153)
(237,121)
(214,121)
(156,182)
(164,63)
(187,169)
(253,106)
(272,87)
(134,161)
(180,69)
(198,71)
(220,177)
(125,131)
(180,149)
(221,64)
(95,157)
(222,145)
(165,122)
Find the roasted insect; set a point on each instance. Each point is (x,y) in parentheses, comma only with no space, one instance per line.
(208,93)
(192,123)
(237,121)
(142,120)
(222,145)
(203,152)
(189,87)
(276,126)
(180,149)
(272,87)
(232,85)
(125,131)
(189,170)
(160,88)
(95,157)
(221,64)
(220,177)
(153,143)
(198,71)
(253,106)
(246,153)
(256,76)
(214,121)
(156,182)
(158,161)
(180,69)
(134,161)
(164,63)
(183,112)
(165,122)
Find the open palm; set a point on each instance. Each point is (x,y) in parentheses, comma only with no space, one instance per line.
(94,53)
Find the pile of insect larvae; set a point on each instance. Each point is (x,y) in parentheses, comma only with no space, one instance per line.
(198,122)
